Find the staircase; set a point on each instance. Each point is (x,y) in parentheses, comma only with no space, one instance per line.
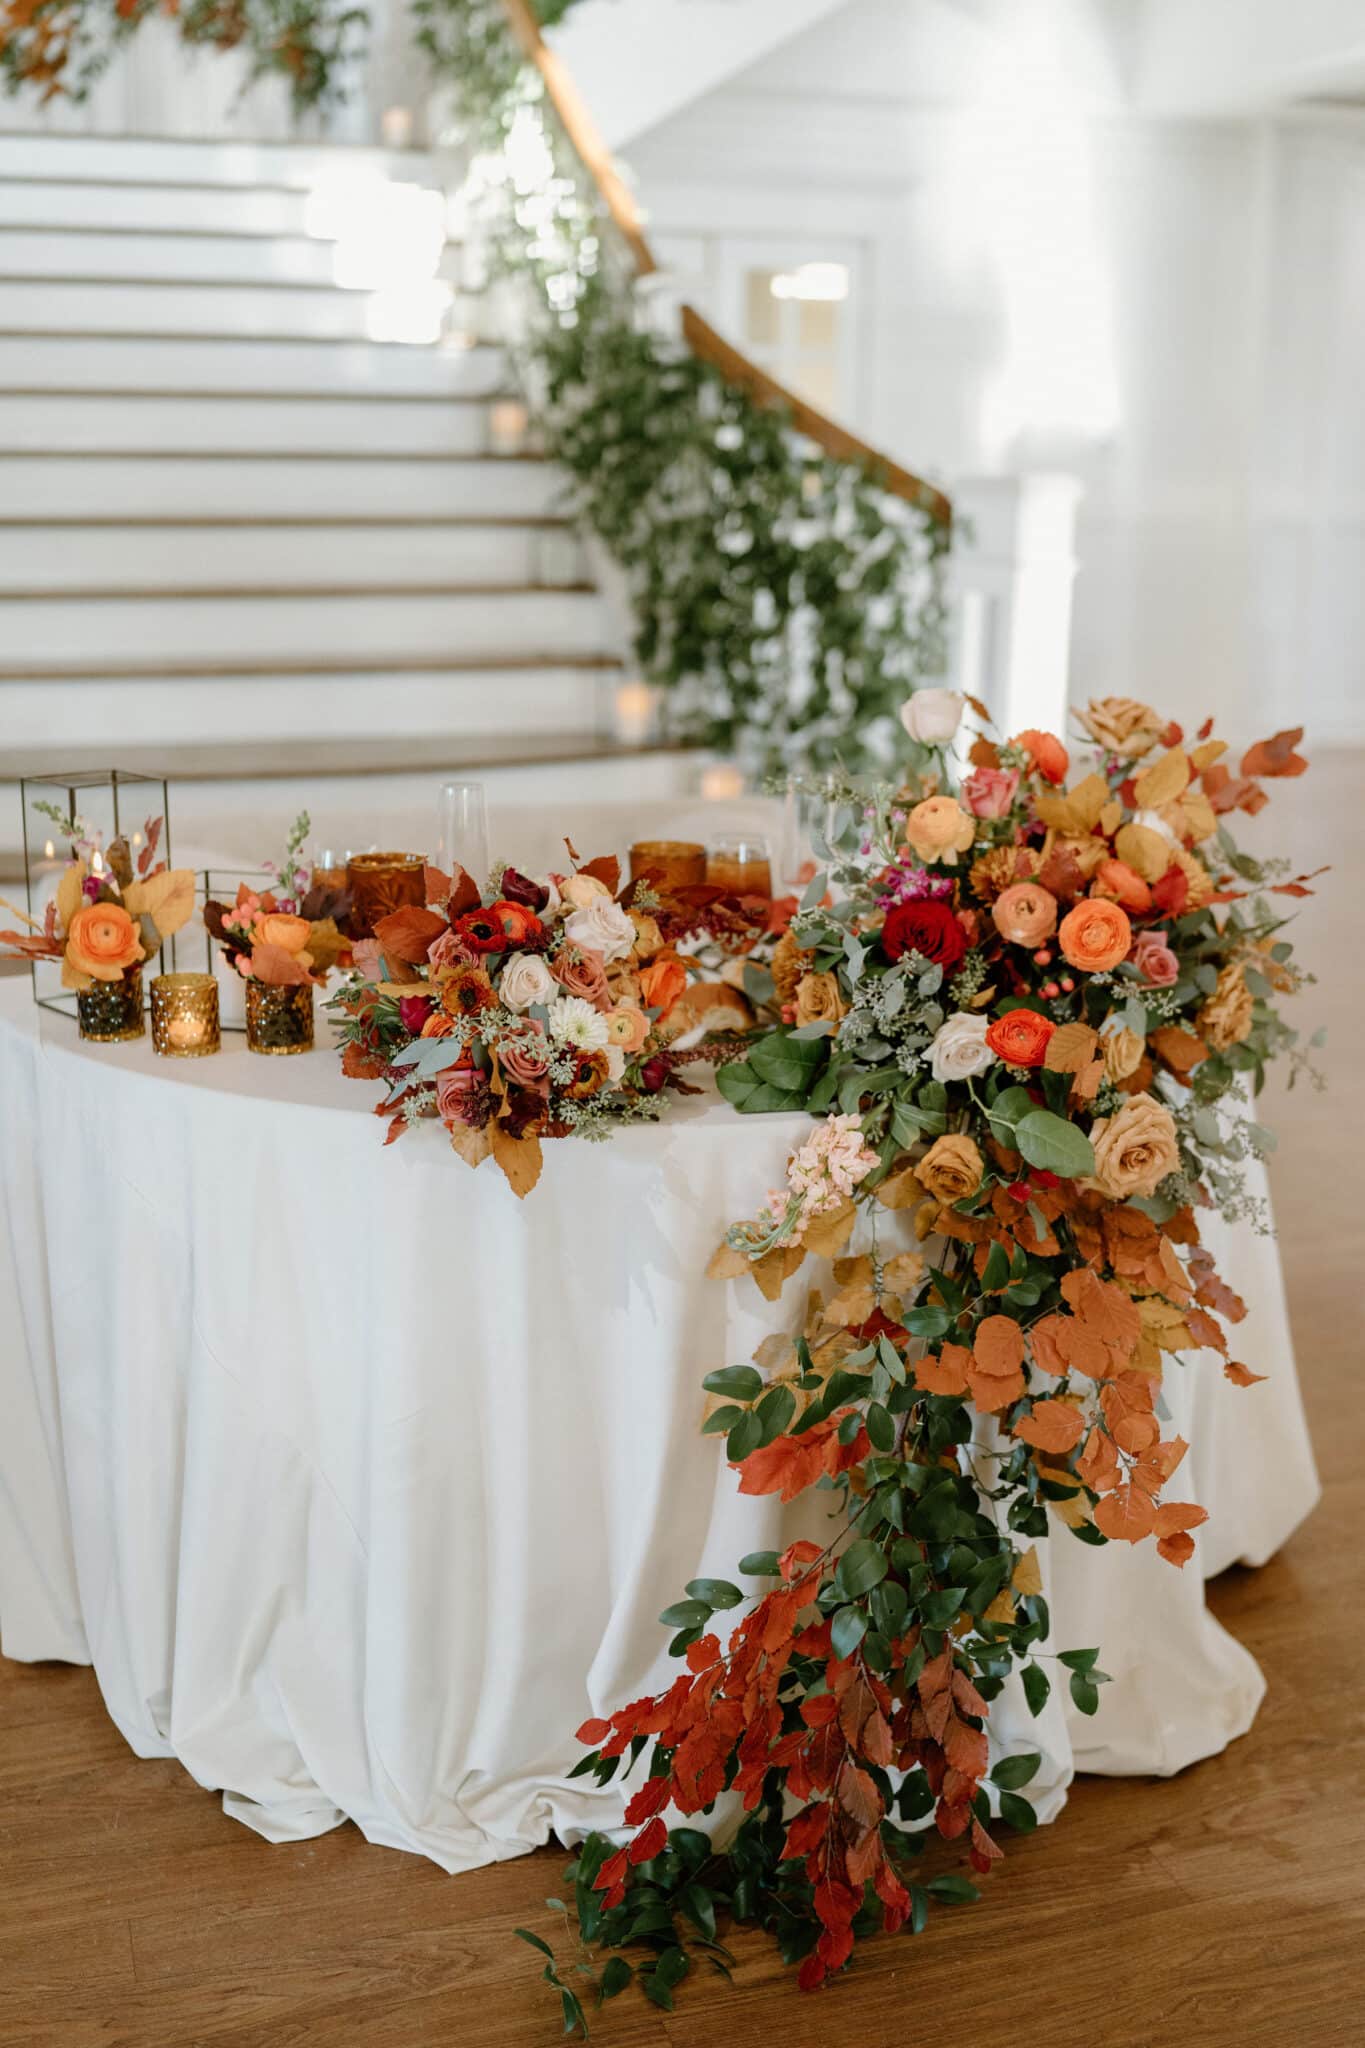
(239,536)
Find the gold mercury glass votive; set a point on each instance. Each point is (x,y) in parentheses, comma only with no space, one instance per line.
(109,1011)
(279,1020)
(185,1016)
(381,883)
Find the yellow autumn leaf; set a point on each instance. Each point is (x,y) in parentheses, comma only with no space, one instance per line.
(900,1190)
(1111,817)
(774,1269)
(1079,809)
(1001,1608)
(776,1354)
(1027,1576)
(519,1158)
(1195,817)
(727,1264)
(167,898)
(1145,851)
(1071,1048)
(69,893)
(1204,755)
(1166,779)
(827,1235)
(904,1273)
(472,1146)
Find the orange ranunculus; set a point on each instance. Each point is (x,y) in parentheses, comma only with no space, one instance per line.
(939,830)
(627,1026)
(1122,884)
(1046,752)
(102,941)
(661,983)
(1025,914)
(290,934)
(1020,1037)
(1095,935)
(519,923)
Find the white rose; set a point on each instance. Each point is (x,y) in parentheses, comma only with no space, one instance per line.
(932,716)
(580,890)
(573,1022)
(959,1048)
(602,927)
(526,980)
(616,1064)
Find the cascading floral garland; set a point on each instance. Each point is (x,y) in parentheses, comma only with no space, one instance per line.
(1029,1016)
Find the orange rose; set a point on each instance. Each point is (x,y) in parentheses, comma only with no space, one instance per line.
(102,941)
(1115,879)
(661,983)
(1046,752)
(1020,1037)
(1096,935)
(939,830)
(290,934)
(1025,914)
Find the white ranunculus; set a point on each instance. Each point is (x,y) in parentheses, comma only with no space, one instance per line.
(573,1022)
(603,927)
(616,1065)
(526,980)
(581,890)
(959,1048)
(932,716)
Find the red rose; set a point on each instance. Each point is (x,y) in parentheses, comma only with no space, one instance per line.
(1020,1038)
(930,929)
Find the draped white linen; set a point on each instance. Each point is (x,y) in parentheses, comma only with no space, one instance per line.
(361,1484)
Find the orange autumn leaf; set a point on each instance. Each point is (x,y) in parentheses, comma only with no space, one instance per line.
(1241,1375)
(1045,1342)
(408,934)
(1098,1464)
(1126,1515)
(1177,1549)
(1276,756)
(946,1373)
(790,1464)
(1179,1514)
(1135,1433)
(1052,1426)
(999,1348)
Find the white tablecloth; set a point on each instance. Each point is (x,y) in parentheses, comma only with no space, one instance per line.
(361,1484)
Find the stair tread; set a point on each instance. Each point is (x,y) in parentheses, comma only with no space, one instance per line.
(249,394)
(214,593)
(285,759)
(332,665)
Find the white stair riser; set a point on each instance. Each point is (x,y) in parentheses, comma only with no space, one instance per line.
(78,558)
(123,632)
(165,259)
(43,203)
(72,362)
(166,711)
(110,308)
(293,488)
(311,426)
(125,160)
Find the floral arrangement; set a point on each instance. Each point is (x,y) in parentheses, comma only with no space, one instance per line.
(289,934)
(534,1009)
(1030,1017)
(113,910)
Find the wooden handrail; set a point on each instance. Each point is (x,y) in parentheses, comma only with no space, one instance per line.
(703,340)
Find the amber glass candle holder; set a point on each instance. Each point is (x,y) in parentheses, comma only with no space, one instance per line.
(742,867)
(670,863)
(383,882)
(185,1016)
(279,1020)
(109,1011)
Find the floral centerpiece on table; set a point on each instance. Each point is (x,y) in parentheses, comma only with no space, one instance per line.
(529,1010)
(114,908)
(1031,1017)
(286,935)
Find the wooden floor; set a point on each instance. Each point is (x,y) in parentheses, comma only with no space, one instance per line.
(1220,1908)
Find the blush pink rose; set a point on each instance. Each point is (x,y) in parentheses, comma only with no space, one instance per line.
(461,1096)
(524,1058)
(989,792)
(1154,960)
(580,972)
(452,950)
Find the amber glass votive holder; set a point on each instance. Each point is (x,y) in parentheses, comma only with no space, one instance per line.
(742,867)
(381,883)
(279,1019)
(109,1011)
(671,863)
(185,1016)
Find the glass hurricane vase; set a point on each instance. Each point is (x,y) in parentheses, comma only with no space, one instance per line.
(109,1011)
(279,1020)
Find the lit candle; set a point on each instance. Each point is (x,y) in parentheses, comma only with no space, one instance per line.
(185,1022)
(507,424)
(633,714)
(740,866)
(395,127)
(721,783)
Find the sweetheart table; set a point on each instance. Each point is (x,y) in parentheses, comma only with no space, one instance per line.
(362,1484)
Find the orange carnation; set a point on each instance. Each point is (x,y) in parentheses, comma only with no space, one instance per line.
(1115,879)
(1046,752)
(1020,1037)
(661,983)
(1095,935)
(102,941)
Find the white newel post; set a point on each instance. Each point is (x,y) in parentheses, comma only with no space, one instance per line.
(1012,573)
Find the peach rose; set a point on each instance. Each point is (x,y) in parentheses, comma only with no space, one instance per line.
(1025,914)
(939,830)
(1134,1149)
(582,973)
(524,1059)
(1122,884)
(1154,960)
(951,1169)
(1226,1018)
(102,941)
(1122,726)
(290,934)
(1046,752)
(1123,1053)
(627,1026)
(818,1000)
(1095,935)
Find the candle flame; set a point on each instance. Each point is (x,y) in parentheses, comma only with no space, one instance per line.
(49,850)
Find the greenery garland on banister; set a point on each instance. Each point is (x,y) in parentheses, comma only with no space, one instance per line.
(784,603)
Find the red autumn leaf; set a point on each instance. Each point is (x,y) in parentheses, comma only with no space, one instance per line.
(808,1829)
(1276,755)
(356,1063)
(863,1858)
(613,1871)
(1171,893)
(1211,1291)
(1241,1375)
(984,1850)
(952,1821)
(407,934)
(1126,1515)
(858,1797)
(1052,1426)
(652,1797)
(966,1748)
(789,1464)
(811,1974)
(796,1557)
(817,1713)
(945,1373)
(593,1732)
(966,1696)
(648,1843)
(702,1654)
(437,885)
(1045,1344)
